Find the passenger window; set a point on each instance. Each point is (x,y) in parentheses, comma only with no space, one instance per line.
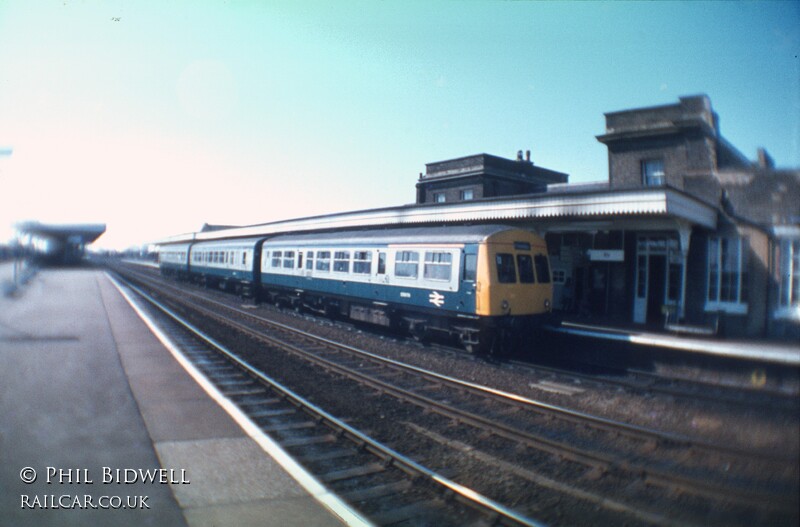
(362,262)
(277,257)
(310,261)
(341,261)
(406,264)
(288,260)
(506,273)
(542,268)
(470,267)
(525,266)
(437,266)
(324,261)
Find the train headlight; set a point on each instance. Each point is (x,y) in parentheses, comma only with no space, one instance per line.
(504,305)
(547,304)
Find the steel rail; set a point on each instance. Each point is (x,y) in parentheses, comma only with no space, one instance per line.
(472,497)
(594,460)
(611,425)
(602,461)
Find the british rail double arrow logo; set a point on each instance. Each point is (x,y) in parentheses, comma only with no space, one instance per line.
(436,299)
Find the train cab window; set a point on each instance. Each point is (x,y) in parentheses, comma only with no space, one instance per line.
(341,261)
(437,266)
(362,262)
(525,267)
(506,271)
(324,261)
(310,261)
(542,268)
(288,260)
(470,267)
(381,263)
(406,264)
(277,258)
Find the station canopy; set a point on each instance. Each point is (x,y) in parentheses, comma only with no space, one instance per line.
(63,243)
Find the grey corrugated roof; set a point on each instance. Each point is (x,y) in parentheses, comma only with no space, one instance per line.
(453,234)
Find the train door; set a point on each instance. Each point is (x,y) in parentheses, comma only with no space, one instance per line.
(381,271)
(381,277)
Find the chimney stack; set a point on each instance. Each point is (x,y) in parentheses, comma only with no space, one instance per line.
(765,161)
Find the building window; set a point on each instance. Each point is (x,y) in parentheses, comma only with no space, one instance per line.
(653,172)
(789,272)
(438,197)
(727,275)
(559,276)
(467,194)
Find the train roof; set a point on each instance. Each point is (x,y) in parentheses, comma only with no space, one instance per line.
(451,234)
(228,242)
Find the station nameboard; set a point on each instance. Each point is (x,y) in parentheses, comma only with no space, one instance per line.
(606,255)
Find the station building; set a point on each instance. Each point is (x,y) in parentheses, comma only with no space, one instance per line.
(687,232)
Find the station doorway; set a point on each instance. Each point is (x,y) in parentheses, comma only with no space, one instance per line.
(659,275)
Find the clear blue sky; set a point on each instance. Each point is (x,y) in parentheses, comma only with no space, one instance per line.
(155,117)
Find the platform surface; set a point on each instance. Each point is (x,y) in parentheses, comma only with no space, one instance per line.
(89,395)
(780,353)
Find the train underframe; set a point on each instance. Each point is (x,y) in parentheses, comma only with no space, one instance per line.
(489,336)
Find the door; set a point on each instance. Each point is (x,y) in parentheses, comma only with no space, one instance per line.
(656,287)
(640,296)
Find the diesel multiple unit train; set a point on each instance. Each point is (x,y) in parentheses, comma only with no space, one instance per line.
(488,286)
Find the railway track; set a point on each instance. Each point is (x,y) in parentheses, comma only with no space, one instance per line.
(506,419)
(387,487)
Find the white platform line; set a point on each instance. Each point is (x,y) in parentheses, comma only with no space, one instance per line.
(757,351)
(329,500)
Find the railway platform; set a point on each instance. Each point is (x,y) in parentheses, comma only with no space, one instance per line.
(766,352)
(100,424)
